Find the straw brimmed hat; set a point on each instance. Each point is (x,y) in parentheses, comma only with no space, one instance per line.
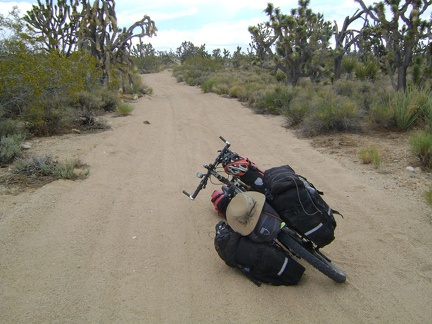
(244,211)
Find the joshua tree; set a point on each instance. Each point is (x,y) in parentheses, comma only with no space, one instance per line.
(401,32)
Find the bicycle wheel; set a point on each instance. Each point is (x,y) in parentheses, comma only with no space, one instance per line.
(317,259)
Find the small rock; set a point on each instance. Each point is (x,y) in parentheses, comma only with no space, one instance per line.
(418,170)
(76,131)
(25,146)
(146,122)
(410,169)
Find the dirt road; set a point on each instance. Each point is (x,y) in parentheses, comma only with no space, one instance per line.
(126,246)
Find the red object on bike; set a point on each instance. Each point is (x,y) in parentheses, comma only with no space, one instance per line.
(220,201)
(237,168)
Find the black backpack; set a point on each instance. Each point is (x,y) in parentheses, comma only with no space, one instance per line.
(260,262)
(300,204)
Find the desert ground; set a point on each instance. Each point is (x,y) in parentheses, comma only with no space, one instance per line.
(125,245)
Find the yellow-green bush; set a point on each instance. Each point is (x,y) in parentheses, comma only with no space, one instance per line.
(332,113)
(31,82)
(370,155)
(421,146)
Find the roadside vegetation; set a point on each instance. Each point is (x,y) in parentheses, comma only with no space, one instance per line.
(323,78)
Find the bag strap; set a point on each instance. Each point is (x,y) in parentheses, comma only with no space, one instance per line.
(271,215)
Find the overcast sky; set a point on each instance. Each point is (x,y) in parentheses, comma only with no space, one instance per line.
(217,24)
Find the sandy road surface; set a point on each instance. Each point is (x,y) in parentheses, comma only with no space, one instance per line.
(126,246)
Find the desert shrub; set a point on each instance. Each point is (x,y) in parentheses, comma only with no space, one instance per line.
(255,92)
(276,100)
(209,85)
(10,148)
(32,84)
(296,111)
(131,84)
(424,101)
(195,71)
(382,114)
(348,65)
(34,166)
(109,99)
(238,91)
(346,88)
(364,92)
(428,195)
(421,146)
(281,76)
(402,109)
(41,166)
(370,155)
(65,170)
(223,89)
(406,109)
(331,113)
(9,127)
(367,71)
(89,106)
(51,117)
(124,109)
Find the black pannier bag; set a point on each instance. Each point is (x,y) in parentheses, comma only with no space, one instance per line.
(254,178)
(268,263)
(300,204)
(260,262)
(225,242)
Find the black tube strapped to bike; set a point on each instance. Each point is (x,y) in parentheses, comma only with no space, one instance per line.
(288,238)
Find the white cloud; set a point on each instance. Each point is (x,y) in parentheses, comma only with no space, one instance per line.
(129,17)
(6,7)
(213,35)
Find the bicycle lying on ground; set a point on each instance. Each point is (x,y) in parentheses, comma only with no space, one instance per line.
(288,238)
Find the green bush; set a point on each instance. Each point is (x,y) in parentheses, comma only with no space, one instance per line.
(64,170)
(421,146)
(89,106)
(403,109)
(209,86)
(10,148)
(382,114)
(331,113)
(409,105)
(195,71)
(297,110)
(370,155)
(124,109)
(33,83)
(132,84)
(346,88)
(42,166)
(34,166)
(428,195)
(109,99)
(276,101)
(9,127)
(367,70)
(348,65)
(239,91)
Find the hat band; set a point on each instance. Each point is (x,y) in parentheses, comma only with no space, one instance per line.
(244,219)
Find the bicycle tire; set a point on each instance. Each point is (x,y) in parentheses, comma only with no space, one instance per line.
(315,258)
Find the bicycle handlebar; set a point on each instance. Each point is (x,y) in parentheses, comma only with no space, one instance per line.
(211,171)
